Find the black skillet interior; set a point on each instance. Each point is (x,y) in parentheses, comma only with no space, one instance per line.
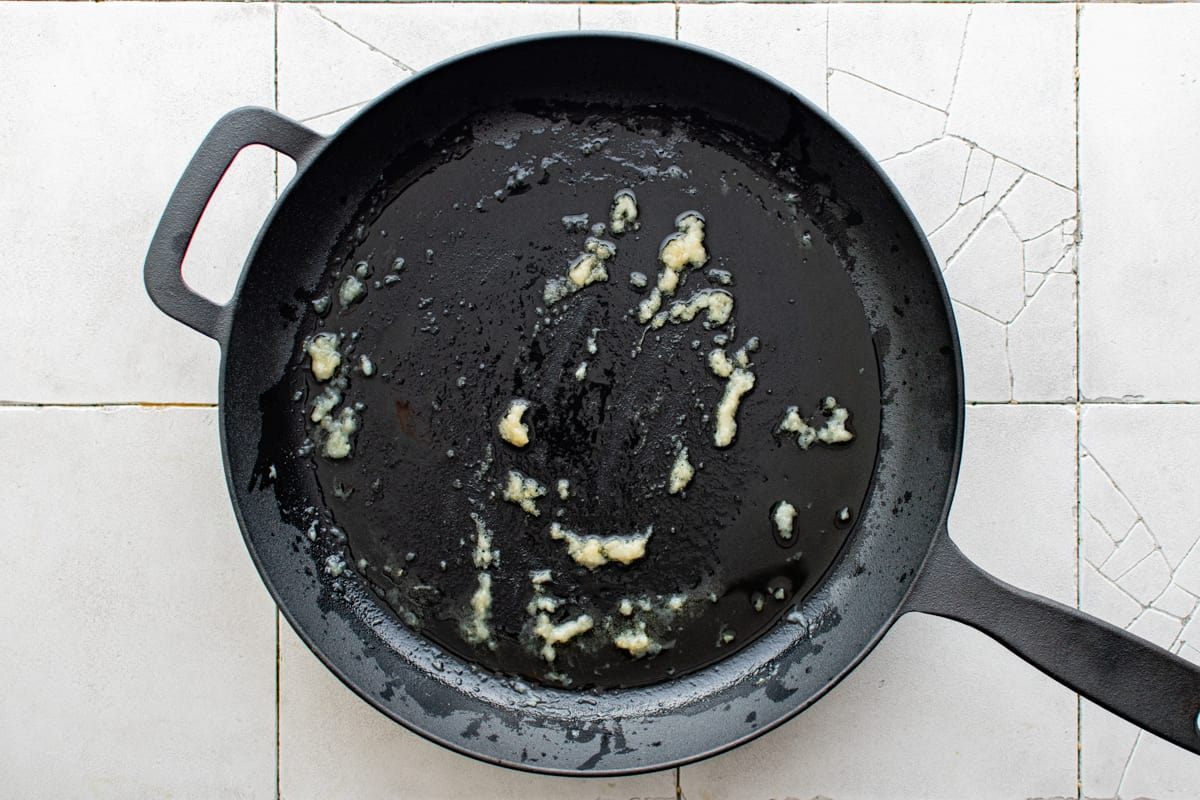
(869,323)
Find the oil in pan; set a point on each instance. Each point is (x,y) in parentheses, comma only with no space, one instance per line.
(572,370)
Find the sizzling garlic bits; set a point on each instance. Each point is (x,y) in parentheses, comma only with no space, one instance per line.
(338,433)
(681,250)
(596,551)
(624,214)
(636,642)
(552,634)
(587,268)
(834,430)
(322,349)
(476,629)
(523,491)
(740,382)
(512,429)
(784,517)
(682,473)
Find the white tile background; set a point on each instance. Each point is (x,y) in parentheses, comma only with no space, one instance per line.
(1066,222)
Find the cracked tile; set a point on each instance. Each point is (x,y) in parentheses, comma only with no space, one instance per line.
(987,374)
(930,178)
(979,175)
(901,710)
(1004,177)
(911,49)
(1143,484)
(139,644)
(860,106)
(1018,64)
(1041,341)
(657,19)
(332,744)
(1044,253)
(986,274)
(1155,626)
(103,108)
(1036,206)
(1139,111)
(1135,547)
(785,41)
(948,238)
(422,34)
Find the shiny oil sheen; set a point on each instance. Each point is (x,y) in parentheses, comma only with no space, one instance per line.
(462,329)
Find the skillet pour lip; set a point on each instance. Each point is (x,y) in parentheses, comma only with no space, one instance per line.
(638,730)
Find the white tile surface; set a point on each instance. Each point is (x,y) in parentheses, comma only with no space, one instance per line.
(785,41)
(997,228)
(972,106)
(332,744)
(654,19)
(939,710)
(138,657)
(1142,507)
(1139,114)
(103,106)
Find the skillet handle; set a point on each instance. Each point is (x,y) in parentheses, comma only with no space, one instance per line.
(164,260)
(1147,685)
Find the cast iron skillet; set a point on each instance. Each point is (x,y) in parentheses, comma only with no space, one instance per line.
(830,271)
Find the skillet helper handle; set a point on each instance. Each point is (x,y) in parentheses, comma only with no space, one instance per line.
(1147,685)
(236,130)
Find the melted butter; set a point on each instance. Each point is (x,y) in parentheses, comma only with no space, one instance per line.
(322,349)
(523,491)
(512,429)
(596,551)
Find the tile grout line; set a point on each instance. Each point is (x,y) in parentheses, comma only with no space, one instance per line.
(1078,413)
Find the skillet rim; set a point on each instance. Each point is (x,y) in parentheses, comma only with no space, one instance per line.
(857,149)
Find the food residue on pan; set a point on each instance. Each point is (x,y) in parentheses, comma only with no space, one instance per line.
(552,634)
(483,556)
(563,487)
(682,473)
(351,291)
(338,433)
(636,642)
(322,349)
(740,382)
(512,429)
(680,250)
(784,517)
(624,212)
(587,268)
(523,491)
(833,431)
(476,629)
(596,551)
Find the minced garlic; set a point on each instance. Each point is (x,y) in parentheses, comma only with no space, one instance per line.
(523,490)
(596,551)
(740,382)
(624,212)
(784,517)
(561,633)
(682,473)
(322,349)
(512,429)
